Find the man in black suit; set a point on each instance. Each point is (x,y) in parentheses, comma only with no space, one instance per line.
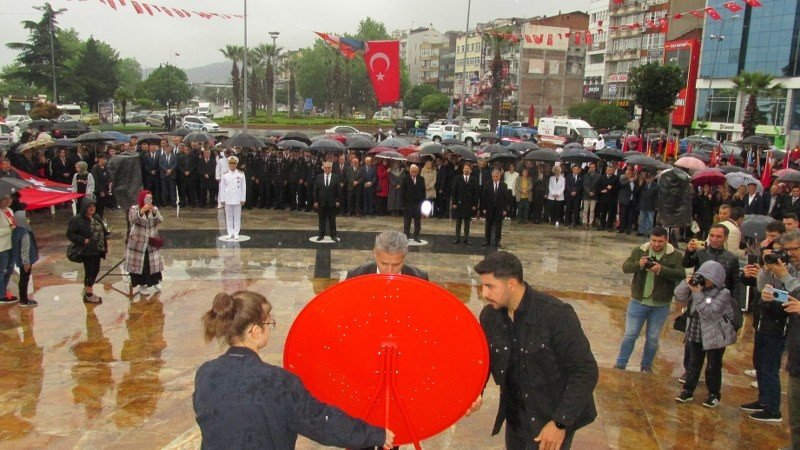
(754,201)
(150,171)
(791,204)
(207,186)
(607,190)
(494,205)
(412,194)
(466,195)
(352,182)
(390,252)
(187,176)
(573,194)
(326,200)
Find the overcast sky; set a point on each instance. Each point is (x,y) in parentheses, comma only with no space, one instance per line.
(155,40)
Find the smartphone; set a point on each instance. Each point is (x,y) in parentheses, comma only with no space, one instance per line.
(752,259)
(148,201)
(780,296)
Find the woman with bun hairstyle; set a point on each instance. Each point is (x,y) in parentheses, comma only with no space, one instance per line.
(240,401)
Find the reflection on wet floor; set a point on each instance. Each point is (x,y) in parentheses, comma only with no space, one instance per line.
(121,374)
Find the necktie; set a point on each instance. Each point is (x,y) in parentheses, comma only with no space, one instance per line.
(466,179)
(327,180)
(495,187)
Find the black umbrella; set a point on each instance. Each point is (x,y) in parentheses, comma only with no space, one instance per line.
(756,140)
(147,138)
(297,136)
(393,143)
(574,145)
(755,226)
(464,153)
(578,155)
(244,140)
(488,135)
(275,134)
(639,159)
(523,146)
(733,169)
(65,143)
(542,155)
(198,136)
(93,136)
(327,146)
(495,148)
(291,144)
(791,177)
(610,154)
(504,157)
(359,143)
(433,149)
(35,124)
(451,141)
(180,132)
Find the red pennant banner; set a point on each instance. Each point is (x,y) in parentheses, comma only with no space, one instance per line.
(588,38)
(538,38)
(577,38)
(550,39)
(156,8)
(166,11)
(121,2)
(147,7)
(619,2)
(137,7)
(732,6)
(753,3)
(713,13)
(186,13)
(663,25)
(383,65)
(178,12)
(697,13)
(112,4)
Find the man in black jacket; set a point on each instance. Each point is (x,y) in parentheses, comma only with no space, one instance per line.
(207,184)
(412,194)
(494,205)
(573,194)
(792,308)
(607,188)
(391,248)
(327,200)
(539,356)
(465,201)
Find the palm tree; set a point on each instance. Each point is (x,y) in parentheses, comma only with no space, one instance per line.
(754,85)
(499,42)
(235,53)
(255,87)
(268,54)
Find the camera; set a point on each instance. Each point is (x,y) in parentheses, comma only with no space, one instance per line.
(775,256)
(651,261)
(697,280)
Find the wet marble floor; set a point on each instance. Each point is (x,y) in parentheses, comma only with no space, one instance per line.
(120,375)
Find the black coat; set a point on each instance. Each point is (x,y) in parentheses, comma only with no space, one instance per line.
(79,228)
(787,206)
(412,194)
(372,268)
(756,206)
(465,197)
(560,372)
(207,168)
(242,402)
(648,196)
(571,185)
(494,202)
(327,196)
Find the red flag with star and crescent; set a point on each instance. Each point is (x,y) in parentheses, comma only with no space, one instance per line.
(383,65)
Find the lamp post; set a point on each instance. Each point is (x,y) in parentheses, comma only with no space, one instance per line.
(464,67)
(244,64)
(719,38)
(274,36)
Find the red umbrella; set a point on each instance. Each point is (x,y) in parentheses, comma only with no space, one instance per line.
(370,347)
(376,150)
(713,177)
(531,115)
(782,172)
(405,151)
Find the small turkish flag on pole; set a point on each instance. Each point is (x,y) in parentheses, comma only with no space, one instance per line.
(383,65)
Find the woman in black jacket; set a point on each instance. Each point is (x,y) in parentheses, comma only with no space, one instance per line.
(242,402)
(89,232)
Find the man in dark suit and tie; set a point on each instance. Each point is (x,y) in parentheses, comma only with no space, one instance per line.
(369,178)
(352,182)
(466,195)
(573,194)
(326,200)
(791,205)
(390,252)
(754,201)
(494,205)
(412,194)
(206,170)
(167,166)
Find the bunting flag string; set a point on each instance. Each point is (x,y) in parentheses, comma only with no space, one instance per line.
(150,9)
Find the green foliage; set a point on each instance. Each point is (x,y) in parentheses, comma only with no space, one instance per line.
(583,110)
(610,117)
(168,84)
(435,104)
(97,73)
(44,111)
(413,100)
(754,85)
(654,88)
(129,72)
(235,53)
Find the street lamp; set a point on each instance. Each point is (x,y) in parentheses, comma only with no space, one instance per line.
(244,64)
(274,36)
(464,66)
(719,38)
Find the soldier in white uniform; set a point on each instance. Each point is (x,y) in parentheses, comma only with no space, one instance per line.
(222,169)
(232,194)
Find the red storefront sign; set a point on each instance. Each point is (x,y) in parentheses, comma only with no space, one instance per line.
(686,55)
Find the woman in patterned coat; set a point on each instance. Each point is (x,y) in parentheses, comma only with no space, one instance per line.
(142,260)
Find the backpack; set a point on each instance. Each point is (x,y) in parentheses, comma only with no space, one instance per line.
(738,316)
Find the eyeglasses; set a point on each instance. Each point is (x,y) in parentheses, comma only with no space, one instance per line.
(791,249)
(271,324)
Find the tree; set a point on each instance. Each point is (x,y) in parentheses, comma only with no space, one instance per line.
(610,117)
(168,84)
(583,110)
(754,85)
(435,104)
(35,64)
(654,88)
(96,72)
(44,111)
(413,98)
(234,53)
(268,54)
(499,41)
(129,72)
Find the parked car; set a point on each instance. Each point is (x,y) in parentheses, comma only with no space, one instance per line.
(344,129)
(5,134)
(402,126)
(200,123)
(359,116)
(155,120)
(66,118)
(70,129)
(135,117)
(519,124)
(17,119)
(436,134)
(611,136)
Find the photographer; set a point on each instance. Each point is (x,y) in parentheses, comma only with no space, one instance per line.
(792,308)
(656,269)
(698,252)
(709,330)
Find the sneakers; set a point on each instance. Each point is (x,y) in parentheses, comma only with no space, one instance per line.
(91,298)
(157,287)
(766,416)
(750,373)
(712,401)
(682,378)
(752,407)
(143,290)
(754,384)
(684,396)
(28,303)
(8,300)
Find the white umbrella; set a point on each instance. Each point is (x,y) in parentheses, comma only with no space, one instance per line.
(736,179)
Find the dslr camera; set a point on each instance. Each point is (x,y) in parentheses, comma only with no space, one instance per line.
(775,256)
(651,261)
(697,280)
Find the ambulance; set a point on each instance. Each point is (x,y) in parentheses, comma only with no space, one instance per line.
(560,130)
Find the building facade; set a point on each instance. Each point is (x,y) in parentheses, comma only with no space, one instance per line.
(422,47)
(595,71)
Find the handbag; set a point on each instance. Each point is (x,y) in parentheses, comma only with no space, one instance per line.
(155,242)
(681,322)
(75,252)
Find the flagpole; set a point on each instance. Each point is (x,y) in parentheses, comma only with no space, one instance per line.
(464,71)
(244,64)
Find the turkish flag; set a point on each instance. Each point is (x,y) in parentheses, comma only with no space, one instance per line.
(697,13)
(753,3)
(713,13)
(766,176)
(732,6)
(383,65)
(44,193)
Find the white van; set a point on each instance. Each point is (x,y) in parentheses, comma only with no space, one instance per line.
(478,124)
(557,130)
(72,110)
